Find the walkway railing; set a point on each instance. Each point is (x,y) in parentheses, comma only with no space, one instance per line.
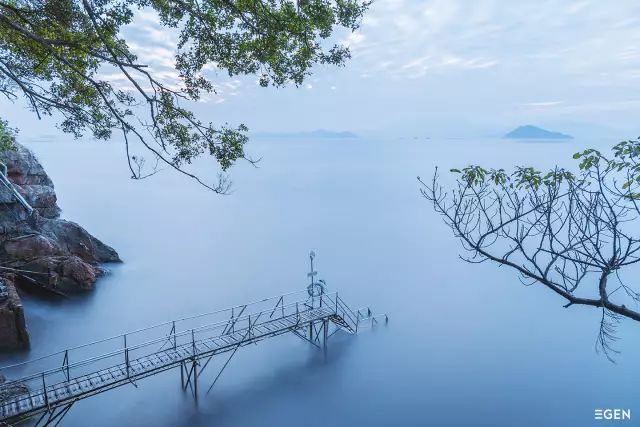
(4,180)
(50,377)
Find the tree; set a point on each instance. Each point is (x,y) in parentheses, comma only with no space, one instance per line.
(7,136)
(571,232)
(52,53)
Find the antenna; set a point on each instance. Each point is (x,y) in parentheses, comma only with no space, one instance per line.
(311,273)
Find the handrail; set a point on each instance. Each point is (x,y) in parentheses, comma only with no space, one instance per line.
(148,328)
(221,327)
(345,308)
(122,350)
(9,185)
(57,385)
(374,318)
(357,315)
(106,363)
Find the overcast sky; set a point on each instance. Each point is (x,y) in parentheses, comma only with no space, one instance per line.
(449,68)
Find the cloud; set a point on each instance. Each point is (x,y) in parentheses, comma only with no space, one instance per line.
(354,40)
(487,60)
(581,37)
(542,104)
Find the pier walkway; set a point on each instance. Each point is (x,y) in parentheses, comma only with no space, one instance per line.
(47,387)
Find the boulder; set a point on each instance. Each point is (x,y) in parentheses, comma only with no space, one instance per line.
(42,198)
(77,274)
(30,246)
(60,273)
(31,181)
(24,168)
(75,240)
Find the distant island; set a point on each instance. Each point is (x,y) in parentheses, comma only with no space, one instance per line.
(316,134)
(534,132)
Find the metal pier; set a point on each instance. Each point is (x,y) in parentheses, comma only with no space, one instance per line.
(49,386)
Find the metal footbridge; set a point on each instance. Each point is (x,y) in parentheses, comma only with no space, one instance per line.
(47,387)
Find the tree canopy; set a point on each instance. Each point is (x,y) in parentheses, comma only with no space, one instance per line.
(52,52)
(571,231)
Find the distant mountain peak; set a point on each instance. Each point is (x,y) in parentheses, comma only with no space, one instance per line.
(535,132)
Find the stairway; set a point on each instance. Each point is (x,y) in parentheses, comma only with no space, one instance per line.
(339,321)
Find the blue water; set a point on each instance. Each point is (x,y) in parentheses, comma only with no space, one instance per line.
(466,344)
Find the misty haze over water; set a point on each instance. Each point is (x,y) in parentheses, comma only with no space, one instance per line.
(466,344)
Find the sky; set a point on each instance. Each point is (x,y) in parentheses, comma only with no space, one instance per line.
(452,68)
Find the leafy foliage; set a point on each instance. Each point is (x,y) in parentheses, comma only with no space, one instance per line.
(7,136)
(521,177)
(51,52)
(569,231)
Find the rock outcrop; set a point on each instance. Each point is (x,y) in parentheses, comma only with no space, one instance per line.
(34,184)
(40,250)
(13,328)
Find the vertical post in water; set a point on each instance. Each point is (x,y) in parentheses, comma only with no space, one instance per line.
(194,366)
(232,325)
(195,380)
(182,375)
(65,364)
(126,354)
(44,391)
(325,332)
(175,344)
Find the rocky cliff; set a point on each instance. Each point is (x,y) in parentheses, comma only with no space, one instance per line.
(13,328)
(39,250)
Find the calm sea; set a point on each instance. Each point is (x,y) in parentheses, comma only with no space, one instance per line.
(467,345)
